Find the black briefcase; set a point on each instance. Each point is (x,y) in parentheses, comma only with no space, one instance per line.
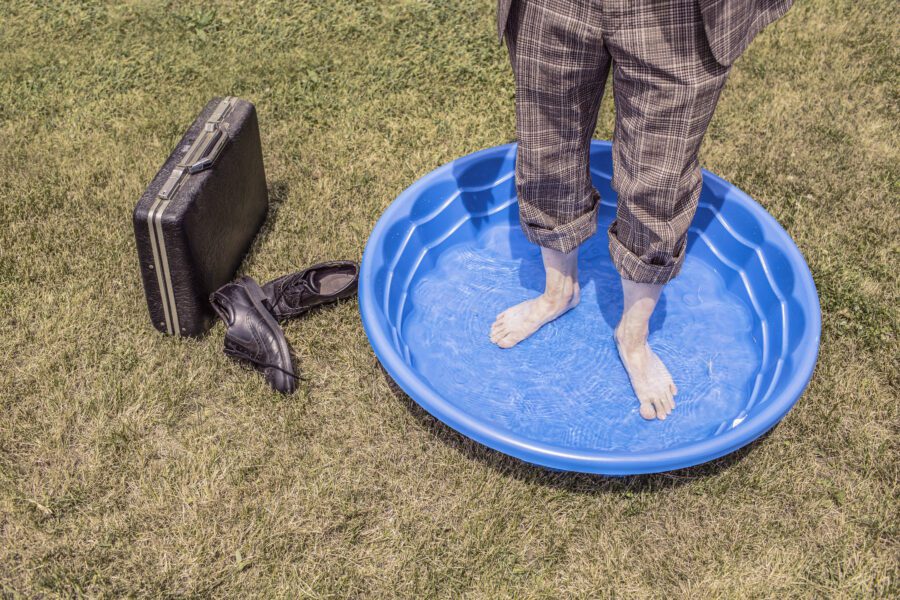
(199,215)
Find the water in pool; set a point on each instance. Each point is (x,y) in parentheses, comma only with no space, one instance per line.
(565,385)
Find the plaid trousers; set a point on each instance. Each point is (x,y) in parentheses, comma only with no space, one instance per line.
(666,83)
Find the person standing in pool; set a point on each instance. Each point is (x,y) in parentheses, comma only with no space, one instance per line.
(669,62)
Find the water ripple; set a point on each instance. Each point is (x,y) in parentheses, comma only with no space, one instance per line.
(565,385)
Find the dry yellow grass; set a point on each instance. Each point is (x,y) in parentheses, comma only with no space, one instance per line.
(137,465)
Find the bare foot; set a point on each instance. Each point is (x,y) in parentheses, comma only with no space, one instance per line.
(650,378)
(520,321)
(561,294)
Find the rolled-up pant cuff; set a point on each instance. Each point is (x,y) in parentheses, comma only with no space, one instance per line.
(631,267)
(566,237)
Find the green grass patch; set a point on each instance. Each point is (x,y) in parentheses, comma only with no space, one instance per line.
(136,465)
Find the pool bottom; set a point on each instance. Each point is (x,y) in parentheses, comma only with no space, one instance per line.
(565,385)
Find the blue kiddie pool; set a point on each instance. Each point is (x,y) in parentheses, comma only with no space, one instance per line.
(738,328)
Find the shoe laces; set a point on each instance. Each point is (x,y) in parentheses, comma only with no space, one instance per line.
(295,289)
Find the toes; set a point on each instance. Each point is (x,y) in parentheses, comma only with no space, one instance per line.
(502,335)
(647,411)
(667,401)
(664,405)
(506,343)
(661,412)
(673,388)
(499,322)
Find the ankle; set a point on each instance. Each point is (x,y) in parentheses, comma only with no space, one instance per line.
(631,335)
(562,295)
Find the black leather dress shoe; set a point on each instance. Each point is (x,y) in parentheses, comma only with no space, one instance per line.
(252,334)
(293,295)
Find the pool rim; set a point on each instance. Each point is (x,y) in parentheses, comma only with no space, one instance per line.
(598,462)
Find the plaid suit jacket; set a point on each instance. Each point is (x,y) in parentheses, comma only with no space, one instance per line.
(730,24)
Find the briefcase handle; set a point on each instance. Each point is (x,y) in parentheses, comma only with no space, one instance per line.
(204,151)
(212,145)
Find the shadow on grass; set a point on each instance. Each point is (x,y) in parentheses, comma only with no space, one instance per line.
(583,483)
(278,193)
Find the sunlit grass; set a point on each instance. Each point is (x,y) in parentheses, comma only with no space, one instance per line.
(132,464)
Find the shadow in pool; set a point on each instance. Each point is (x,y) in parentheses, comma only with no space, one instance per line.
(583,483)
(598,277)
(478,182)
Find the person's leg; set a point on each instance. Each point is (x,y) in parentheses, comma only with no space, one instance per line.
(666,84)
(560,67)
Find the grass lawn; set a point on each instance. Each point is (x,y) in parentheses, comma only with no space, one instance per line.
(133,464)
